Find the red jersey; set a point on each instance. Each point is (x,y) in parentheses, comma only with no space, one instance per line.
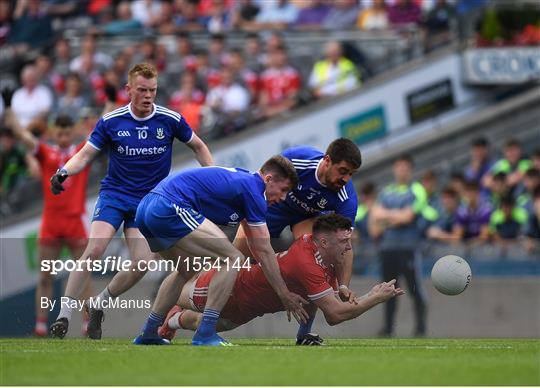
(70,202)
(302,270)
(278,83)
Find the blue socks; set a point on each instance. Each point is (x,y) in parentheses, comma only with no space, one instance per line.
(208,324)
(305,328)
(152,324)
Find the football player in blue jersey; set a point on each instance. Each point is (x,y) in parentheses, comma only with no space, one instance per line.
(139,139)
(179,219)
(324,186)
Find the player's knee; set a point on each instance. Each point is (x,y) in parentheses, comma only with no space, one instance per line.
(93,252)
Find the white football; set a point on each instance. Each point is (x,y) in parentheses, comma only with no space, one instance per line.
(451,275)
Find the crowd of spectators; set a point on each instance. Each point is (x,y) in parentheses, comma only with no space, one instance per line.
(492,207)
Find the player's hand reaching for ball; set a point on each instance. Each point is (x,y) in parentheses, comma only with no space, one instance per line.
(293,305)
(57,180)
(386,290)
(347,295)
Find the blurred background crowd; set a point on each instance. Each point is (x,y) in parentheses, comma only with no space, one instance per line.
(226,65)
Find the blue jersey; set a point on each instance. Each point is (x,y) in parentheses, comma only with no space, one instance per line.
(140,150)
(223,195)
(310,197)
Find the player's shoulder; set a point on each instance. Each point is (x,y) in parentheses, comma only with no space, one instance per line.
(122,111)
(303,157)
(347,192)
(162,111)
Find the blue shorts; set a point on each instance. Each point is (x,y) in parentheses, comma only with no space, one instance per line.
(114,210)
(278,217)
(163,222)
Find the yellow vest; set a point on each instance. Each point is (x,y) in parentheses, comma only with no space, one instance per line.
(322,69)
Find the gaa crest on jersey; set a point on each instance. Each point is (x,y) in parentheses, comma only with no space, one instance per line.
(234,217)
(160,135)
(120,149)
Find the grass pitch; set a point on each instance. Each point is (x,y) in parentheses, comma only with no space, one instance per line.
(272,362)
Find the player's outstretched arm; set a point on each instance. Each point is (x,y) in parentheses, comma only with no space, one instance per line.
(75,165)
(23,134)
(202,153)
(259,243)
(336,311)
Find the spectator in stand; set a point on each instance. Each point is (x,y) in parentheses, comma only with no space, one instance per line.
(531,180)
(439,22)
(228,103)
(512,164)
(253,54)
(184,58)
(367,199)
(167,23)
(12,164)
(342,16)
(499,189)
(404,12)
(430,183)
(93,79)
(535,158)
(333,75)
(312,15)
(146,12)
(244,14)
(533,228)
(62,58)
(124,21)
(6,20)
(508,222)
(73,100)
(472,221)
(189,18)
(32,100)
(209,76)
(374,18)
(457,182)
(47,75)
(220,19)
(276,15)
(217,54)
(100,61)
(280,85)
(441,230)
(32,26)
(244,75)
(480,163)
(188,100)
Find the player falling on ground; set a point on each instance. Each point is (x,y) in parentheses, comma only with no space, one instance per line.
(179,218)
(139,138)
(324,186)
(308,268)
(64,217)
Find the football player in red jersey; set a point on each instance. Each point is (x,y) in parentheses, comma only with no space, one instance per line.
(308,270)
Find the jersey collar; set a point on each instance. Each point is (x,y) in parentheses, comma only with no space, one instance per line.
(316,173)
(141,118)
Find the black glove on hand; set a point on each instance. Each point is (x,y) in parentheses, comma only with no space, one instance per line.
(310,339)
(110,92)
(57,180)
(7,95)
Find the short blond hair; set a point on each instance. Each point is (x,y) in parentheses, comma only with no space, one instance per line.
(145,70)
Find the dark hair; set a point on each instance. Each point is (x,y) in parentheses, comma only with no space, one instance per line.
(500,176)
(429,175)
(480,142)
(282,168)
(368,188)
(218,37)
(253,35)
(183,35)
(458,175)
(512,143)
(331,222)
(344,150)
(472,186)
(63,121)
(404,158)
(532,173)
(508,200)
(449,190)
